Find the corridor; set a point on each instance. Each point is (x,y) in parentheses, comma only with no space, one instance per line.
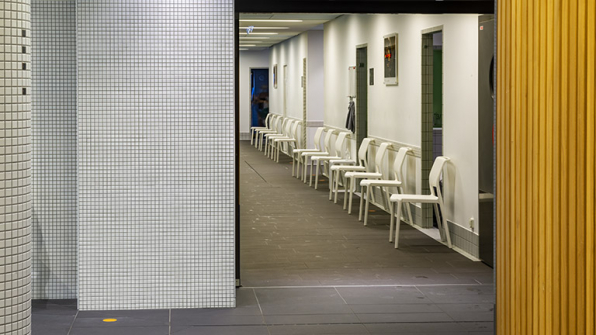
(310,268)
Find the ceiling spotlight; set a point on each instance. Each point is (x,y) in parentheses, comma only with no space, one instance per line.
(246,20)
(266,28)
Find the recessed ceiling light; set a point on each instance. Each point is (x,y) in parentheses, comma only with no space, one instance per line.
(247,45)
(243,49)
(257,33)
(266,28)
(270,20)
(254,38)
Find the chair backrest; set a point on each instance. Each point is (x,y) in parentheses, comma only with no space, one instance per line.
(398,164)
(380,156)
(273,121)
(268,119)
(435,175)
(363,151)
(294,130)
(317,138)
(340,143)
(278,123)
(328,140)
(294,135)
(287,131)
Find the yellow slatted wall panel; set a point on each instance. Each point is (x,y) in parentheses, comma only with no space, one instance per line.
(546,167)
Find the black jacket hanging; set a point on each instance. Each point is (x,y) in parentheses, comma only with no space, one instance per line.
(351,119)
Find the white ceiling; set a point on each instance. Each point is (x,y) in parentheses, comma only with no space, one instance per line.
(270,29)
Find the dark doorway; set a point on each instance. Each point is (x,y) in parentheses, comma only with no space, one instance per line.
(361,94)
(259,96)
(432,111)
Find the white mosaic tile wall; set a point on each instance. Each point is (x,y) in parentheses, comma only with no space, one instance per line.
(54,120)
(15,168)
(155,154)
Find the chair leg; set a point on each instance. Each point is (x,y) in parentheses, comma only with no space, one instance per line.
(367,206)
(312,169)
(391,221)
(439,222)
(304,163)
(331,184)
(252,133)
(293,163)
(445,226)
(409,213)
(277,158)
(336,186)
(397,223)
(362,195)
(352,189)
(346,182)
(317,174)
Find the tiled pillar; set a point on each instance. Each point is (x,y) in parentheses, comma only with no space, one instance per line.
(15,168)
(155,114)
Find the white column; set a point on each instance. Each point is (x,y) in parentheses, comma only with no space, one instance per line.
(15,168)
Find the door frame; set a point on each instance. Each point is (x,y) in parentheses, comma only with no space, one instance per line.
(249,98)
(426,211)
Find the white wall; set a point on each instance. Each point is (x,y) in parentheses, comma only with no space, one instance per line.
(290,53)
(394,112)
(249,60)
(315,97)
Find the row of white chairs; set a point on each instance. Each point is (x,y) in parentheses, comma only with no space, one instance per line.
(340,167)
(280,134)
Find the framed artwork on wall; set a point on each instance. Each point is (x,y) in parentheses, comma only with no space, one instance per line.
(390,59)
(275,76)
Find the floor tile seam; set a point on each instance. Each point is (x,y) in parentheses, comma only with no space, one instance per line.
(360,286)
(258,304)
(255,171)
(72,323)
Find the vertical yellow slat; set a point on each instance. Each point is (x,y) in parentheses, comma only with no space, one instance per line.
(590,167)
(555,253)
(581,168)
(515,181)
(572,147)
(538,107)
(523,152)
(501,271)
(541,284)
(528,250)
(509,147)
(565,164)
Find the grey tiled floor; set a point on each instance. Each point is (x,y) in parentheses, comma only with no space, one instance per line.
(310,268)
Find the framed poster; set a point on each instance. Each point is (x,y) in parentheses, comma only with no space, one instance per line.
(275,76)
(390,59)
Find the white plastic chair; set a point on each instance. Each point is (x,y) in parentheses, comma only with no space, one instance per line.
(292,139)
(307,155)
(339,153)
(284,132)
(254,129)
(435,197)
(386,184)
(297,154)
(351,177)
(345,165)
(279,132)
(276,122)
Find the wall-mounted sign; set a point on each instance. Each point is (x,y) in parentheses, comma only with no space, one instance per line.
(275,76)
(390,59)
(371,76)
